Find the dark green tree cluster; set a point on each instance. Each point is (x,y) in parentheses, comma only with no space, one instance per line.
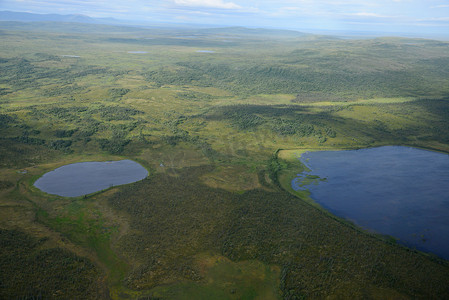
(63,91)
(118,92)
(64,133)
(6,120)
(117,113)
(30,271)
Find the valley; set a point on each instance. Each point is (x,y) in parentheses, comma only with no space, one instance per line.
(216,117)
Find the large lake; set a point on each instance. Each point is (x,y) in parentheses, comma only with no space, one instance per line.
(88,177)
(393,190)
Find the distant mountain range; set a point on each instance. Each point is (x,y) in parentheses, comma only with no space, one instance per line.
(10,19)
(30,17)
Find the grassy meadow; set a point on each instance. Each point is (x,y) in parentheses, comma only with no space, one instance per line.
(219,132)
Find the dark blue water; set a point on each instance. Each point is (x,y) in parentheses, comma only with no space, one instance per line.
(393,190)
(87,177)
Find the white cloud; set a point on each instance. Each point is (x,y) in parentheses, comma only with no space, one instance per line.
(441,19)
(290,8)
(440,6)
(367,14)
(208,3)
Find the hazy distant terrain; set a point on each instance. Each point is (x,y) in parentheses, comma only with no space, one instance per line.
(205,110)
(31,17)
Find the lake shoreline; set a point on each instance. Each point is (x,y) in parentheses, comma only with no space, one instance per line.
(84,178)
(421,237)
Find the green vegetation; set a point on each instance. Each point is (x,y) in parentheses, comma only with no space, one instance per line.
(32,271)
(217,218)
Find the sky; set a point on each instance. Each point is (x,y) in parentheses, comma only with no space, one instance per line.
(412,17)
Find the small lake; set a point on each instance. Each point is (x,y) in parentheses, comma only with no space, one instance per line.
(205,51)
(88,177)
(137,52)
(399,191)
